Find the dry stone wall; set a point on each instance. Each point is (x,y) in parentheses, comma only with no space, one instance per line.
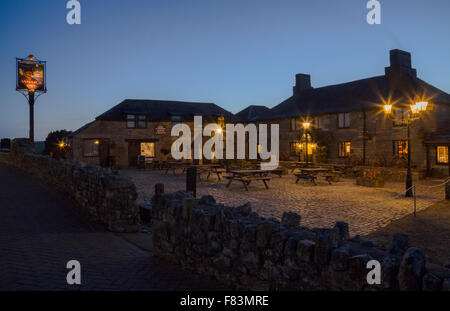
(107,197)
(247,251)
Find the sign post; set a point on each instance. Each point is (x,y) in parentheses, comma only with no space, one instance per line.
(31,79)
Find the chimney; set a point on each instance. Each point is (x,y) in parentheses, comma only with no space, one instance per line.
(302,82)
(400,63)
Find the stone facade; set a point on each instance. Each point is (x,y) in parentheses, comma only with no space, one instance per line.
(247,251)
(117,138)
(380,134)
(107,197)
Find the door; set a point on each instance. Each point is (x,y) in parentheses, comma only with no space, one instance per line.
(133,152)
(103,152)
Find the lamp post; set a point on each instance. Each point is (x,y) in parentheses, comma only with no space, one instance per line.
(416,110)
(306,126)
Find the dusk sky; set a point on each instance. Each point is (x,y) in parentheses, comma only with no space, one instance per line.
(234,53)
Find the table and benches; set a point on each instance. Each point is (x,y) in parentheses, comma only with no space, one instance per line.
(310,174)
(247,176)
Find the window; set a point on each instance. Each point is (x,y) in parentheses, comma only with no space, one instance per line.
(90,147)
(317,122)
(344,149)
(400,148)
(442,154)
(295,148)
(296,124)
(148,150)
(221,121)
(131,121)
(142,121)
(400,116)
(176,120)
(136,121)
(344,120)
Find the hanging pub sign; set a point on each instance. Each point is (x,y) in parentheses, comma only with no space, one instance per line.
(30,75)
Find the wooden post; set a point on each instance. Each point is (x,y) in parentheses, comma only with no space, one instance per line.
(191,180)
(31,103)
(159,189)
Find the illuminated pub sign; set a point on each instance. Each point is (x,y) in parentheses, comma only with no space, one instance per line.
(30,75)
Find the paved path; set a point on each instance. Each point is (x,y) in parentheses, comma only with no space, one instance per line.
(41,230)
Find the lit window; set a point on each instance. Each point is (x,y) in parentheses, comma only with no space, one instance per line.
(148,150)
(295,148)
(442,154)
(344,120)
(90,147)
(400,148)
(344,149)
(221,122)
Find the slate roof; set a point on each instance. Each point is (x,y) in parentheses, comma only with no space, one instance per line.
(354,96)
(163,110)
(80,129)
(441,136)
(251,113)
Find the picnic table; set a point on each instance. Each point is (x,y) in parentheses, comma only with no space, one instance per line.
(299,165)
(247,176)
(311,173)
(208,168)
(173,166)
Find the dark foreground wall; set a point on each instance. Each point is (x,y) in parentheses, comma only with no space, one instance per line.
(247,251)
(109,198)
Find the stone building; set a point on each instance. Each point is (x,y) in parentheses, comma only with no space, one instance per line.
(138,127)
(348,123)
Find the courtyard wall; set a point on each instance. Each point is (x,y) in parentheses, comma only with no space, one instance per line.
(250,252)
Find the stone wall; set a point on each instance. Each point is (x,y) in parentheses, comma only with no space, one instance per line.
(247,251)
(107,197)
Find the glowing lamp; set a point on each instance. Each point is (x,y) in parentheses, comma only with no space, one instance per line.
(31,57)
(422,106)
(97,142)
(306,125)
(414,108)
(219,131)
(387,108)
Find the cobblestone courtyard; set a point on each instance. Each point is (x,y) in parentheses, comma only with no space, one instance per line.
(365,209)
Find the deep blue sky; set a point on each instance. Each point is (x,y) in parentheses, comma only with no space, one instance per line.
(234,53)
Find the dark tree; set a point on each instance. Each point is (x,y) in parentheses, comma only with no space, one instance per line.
(5,143)
(56,143)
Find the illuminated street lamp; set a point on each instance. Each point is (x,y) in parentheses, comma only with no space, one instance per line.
(306,126)
(416,110)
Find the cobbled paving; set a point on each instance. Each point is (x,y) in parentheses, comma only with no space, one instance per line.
(364,209)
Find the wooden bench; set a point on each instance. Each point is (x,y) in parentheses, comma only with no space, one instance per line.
(246,180)
(329,178)
(277,172)
(264,179)
(304,176)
